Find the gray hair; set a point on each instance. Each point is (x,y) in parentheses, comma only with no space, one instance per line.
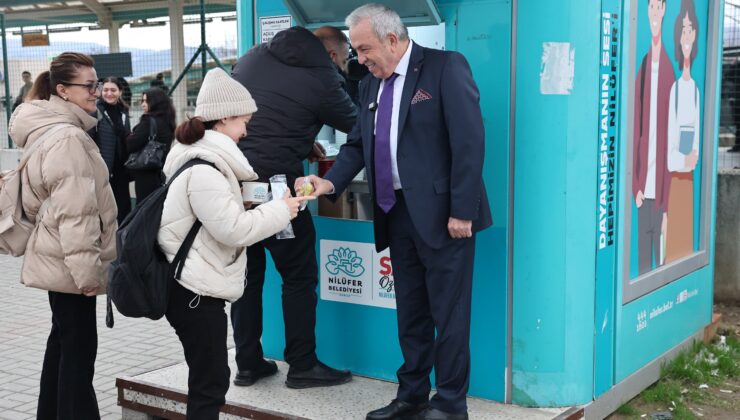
(383,20)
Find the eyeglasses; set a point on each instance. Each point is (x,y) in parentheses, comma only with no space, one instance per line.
(91,87)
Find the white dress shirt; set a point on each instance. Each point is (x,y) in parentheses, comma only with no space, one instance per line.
(401,70)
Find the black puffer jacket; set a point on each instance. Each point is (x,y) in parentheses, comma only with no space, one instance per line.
(297,90)
(111,138)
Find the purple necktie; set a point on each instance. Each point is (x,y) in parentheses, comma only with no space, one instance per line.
(385,195)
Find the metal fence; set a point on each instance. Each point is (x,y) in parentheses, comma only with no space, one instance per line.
(729,152)
(148,42)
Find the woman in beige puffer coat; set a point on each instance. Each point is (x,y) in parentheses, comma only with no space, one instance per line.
(213,271)
(73,242)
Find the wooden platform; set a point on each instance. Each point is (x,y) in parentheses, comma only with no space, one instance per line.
(163,393)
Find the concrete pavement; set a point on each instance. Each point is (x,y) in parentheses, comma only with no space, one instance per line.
(132,347)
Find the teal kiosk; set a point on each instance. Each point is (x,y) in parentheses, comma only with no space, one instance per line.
(601,125)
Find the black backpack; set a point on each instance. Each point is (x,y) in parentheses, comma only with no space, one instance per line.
(140,278)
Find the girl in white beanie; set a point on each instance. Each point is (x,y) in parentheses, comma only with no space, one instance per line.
(214,269)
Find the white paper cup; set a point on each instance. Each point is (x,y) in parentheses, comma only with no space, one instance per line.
(255,192)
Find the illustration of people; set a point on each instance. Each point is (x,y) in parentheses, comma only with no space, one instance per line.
(683,138)
(650,177)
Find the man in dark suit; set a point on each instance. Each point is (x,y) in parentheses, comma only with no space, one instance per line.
(420,134)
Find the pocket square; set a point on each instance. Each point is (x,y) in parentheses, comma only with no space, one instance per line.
(420,95)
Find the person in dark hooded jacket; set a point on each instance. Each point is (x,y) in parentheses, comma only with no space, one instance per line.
(298,90)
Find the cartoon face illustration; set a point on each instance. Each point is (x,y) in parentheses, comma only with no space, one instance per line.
(688,36)
(656,11)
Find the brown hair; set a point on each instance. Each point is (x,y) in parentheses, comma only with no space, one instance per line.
(687,7)
(64,68)
(160,105)
(192,130)
(117,81)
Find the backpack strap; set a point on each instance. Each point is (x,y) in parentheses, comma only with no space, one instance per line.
(42,210)
(179,261)
(189,164)
(696,96)
(675,99)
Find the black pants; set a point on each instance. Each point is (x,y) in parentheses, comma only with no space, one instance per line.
(433,292)
(69,363)
(121,194)
(145,182)
(295,260)
(200,323)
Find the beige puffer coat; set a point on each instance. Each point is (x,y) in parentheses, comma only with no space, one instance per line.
(73,244)
(216,264)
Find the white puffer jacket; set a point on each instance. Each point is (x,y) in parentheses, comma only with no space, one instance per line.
(216,264)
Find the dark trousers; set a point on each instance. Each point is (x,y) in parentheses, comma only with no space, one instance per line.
(69,363)
(295,260)
(145,182)
(200,323)
(122,196)
(649,224)
(433,292)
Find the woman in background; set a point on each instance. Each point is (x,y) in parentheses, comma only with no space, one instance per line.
(158,109)
(110,135)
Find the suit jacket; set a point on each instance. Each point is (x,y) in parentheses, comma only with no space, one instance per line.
(641,135)
(440,151)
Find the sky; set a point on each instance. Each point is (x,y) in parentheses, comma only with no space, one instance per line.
(218,34)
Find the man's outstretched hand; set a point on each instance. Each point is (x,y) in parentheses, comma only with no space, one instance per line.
(320,186)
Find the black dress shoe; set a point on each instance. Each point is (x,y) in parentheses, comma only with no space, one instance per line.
(434,414)
(397,409)
(249,377)
(319,375)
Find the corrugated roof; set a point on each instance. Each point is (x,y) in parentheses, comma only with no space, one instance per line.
(35,13)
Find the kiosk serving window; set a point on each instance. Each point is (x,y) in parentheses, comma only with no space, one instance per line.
(670,141)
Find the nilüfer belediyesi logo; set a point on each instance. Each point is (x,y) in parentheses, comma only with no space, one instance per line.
(345,260)
(260,193)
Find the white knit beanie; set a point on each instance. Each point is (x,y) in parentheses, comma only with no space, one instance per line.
(221,96)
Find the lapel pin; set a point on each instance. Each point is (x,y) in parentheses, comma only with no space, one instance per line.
(373,106)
